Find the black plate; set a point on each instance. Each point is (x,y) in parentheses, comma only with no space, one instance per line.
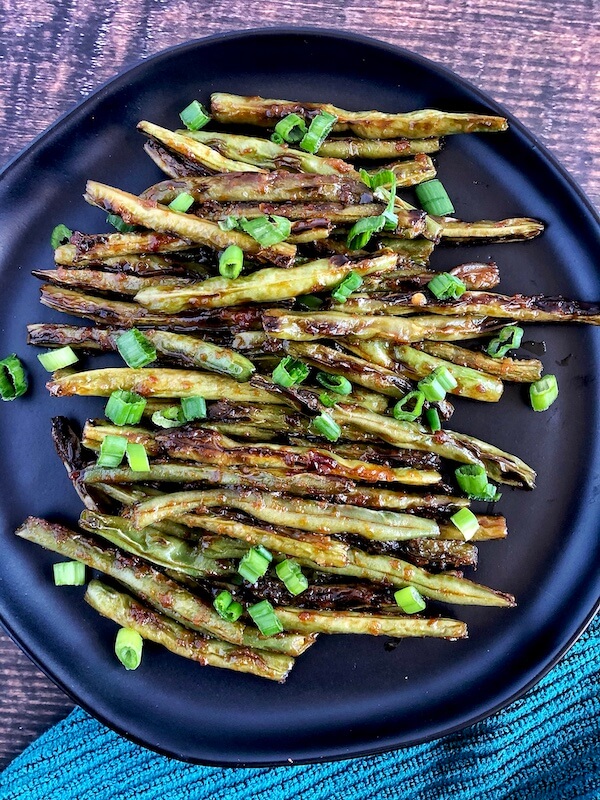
(346,696)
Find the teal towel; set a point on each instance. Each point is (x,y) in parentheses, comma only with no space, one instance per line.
(545,746)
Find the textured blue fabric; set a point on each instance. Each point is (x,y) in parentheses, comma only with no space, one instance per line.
(545,746)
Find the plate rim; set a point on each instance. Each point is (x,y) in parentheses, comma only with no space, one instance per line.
(551,161)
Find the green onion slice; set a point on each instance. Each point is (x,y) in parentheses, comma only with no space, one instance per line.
(182,203)
(290,129)
(254,564)
(290,371)
(60,235)
(135,349)
(327,400)
(265,618)
(362,231)
(292,576)
(267,231)
(319,129)
(543,393)
(119,223)
(57,359)
(128,648)
(472,479)
(410,407)
(351,283)
(466,522)
(446,378)
(434,198)
(229,223)
(432,388)
(69,573)
(433,420)
(509,338)
(409,600)
(324,425)
(125,408)
(231,261)
(193,408)
(226,607)
(112,451)
(13,380)
(489,495)
(446,286)
(335,383)
(137,457)
(194,116)
(170,417)
(310,301)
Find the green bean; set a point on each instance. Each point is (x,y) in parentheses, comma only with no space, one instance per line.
(127,612)
(162,219)
(230,108)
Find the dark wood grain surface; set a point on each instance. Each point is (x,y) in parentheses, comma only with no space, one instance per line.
(542,60)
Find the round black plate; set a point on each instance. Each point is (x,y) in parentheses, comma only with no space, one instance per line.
(346,696)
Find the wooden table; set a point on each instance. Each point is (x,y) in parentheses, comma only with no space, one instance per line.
(542,60)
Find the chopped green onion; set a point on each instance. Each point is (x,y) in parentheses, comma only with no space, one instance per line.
(182,203)
(472,479)
(229,223)
(125,408)
(254,564)
(264,552)
(135,349)
(290,129)
(226,607)
(382,178)
(351,283)
(446,378)
(409,600)
(289,372)
(13,381)
(265,618)
(170,417)
(466,522)
(128,648)
(231,261)
(319,129)
(324,425)
(310,301)
(362,231)
(489,495)
(57,359)
(414,400)
(69,573)
(543,392)
(194,116)
(433,420)
(60,235)
(292,576)
(434,198)
(328,400)
(112,451)
(365,177)
(119,223)
(137,457)
(335,383)
(193,408)
(267,231)
(446,286)
(432,388)
(509,338)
